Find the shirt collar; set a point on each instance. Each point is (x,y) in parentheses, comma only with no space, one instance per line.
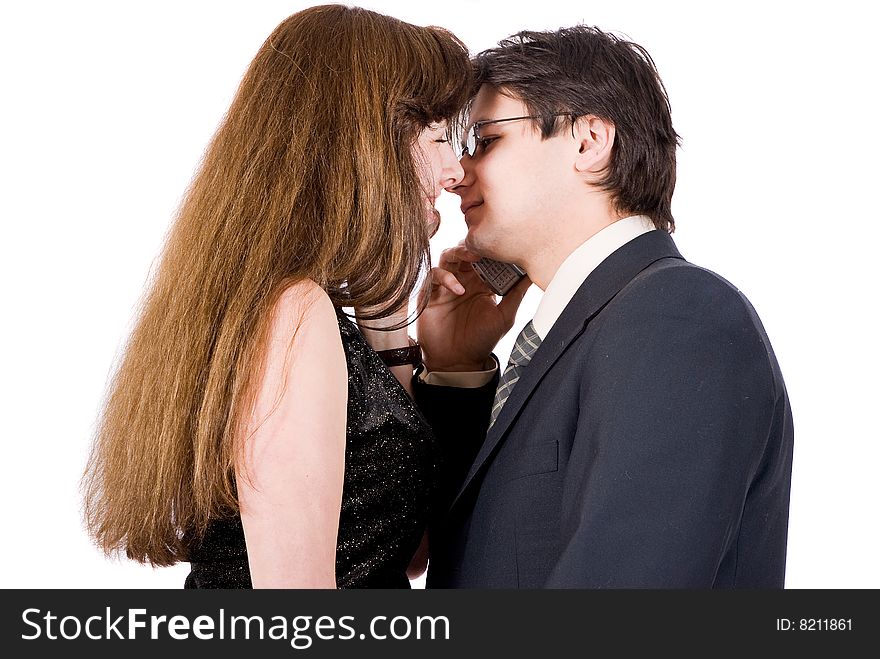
(575,269)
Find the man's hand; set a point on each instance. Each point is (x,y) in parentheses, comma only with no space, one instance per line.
(462,322)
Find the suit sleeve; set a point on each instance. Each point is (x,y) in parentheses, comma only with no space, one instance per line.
(676,400)
(459,418)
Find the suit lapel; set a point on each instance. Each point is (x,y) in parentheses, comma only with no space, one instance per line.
(608,279)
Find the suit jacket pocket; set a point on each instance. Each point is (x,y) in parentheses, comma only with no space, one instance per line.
(530,460)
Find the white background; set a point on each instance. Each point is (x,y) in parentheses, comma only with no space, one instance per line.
(107,107)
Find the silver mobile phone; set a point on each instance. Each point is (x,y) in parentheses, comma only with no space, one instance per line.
(500,277)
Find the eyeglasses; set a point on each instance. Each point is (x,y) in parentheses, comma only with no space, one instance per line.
(472,138)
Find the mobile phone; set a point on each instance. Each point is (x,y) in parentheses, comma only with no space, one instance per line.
(500,277)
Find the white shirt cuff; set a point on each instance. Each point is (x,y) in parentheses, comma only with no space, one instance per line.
(462,379)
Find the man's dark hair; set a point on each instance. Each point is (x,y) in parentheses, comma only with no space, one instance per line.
(582,70)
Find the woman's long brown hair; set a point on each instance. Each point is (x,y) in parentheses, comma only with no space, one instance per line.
(310,175)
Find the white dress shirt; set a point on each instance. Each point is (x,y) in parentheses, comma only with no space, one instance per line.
(580,264)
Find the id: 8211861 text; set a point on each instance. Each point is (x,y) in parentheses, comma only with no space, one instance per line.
(814,624)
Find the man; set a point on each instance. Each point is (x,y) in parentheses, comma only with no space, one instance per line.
(642,435)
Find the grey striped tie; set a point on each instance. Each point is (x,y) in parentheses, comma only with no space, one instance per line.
(526,344)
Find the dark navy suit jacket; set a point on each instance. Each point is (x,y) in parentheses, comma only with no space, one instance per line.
(648,444)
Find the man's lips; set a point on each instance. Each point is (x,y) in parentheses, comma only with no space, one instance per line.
(471,204)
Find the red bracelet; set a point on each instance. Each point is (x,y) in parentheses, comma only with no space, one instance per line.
(411,354)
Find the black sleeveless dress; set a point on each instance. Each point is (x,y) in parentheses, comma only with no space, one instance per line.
(389,460)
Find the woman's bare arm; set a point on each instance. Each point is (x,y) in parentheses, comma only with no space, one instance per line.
(291,472)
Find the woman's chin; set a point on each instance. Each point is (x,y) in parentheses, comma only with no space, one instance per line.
(433,221)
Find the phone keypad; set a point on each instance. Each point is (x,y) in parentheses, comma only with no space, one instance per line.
(499,276)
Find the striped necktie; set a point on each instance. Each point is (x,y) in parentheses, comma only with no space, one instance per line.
(525,346)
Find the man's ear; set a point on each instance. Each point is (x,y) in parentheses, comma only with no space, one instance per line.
(595,139)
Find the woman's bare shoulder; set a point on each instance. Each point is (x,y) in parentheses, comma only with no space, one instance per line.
(303,353)
(303,305)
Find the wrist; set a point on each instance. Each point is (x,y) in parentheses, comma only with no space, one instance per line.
(409,356)
(380,340)
(375,333)
(436,366)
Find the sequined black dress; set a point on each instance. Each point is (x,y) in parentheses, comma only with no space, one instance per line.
(385,496)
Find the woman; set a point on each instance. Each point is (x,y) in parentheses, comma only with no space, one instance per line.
(250,428)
